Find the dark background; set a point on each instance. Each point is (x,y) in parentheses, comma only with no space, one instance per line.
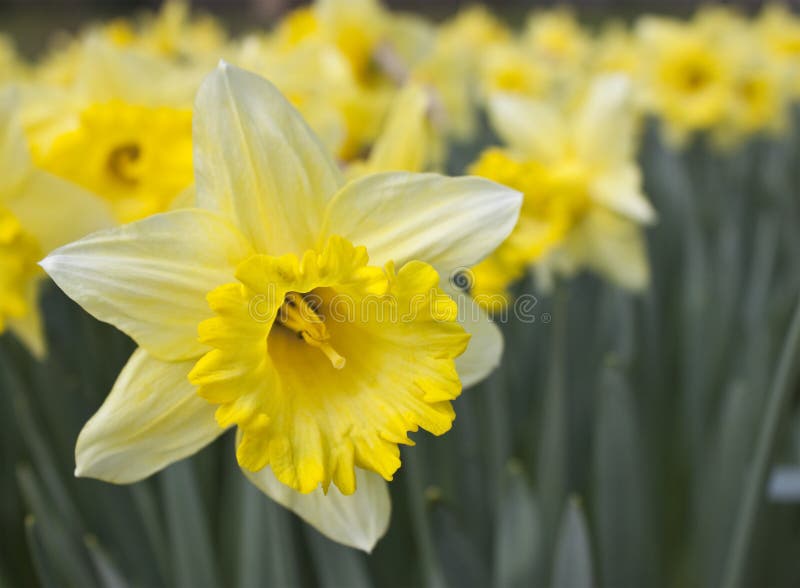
(31,23)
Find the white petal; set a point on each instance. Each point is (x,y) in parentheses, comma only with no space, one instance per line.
(150,278)
(56,211)
(604,128)
(152,418)
(620,190)
(485,347)
(447,222)
(357,520)
(258,162)
(534,128)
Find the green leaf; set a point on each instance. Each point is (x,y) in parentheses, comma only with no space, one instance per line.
(192,553)
(336,564)
(517,548)
(59,548)
(267,547)
(572,565)
(110,576)
(623,534)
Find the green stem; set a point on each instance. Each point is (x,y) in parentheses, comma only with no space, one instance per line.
(554,450)
(779,395)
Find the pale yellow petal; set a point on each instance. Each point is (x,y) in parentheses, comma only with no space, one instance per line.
(614,247)
(604,131)
(620,190)
(406,140)
(357,520)
(151,418)
(258,162)
(56,211)
(150,278)
(533,128)
(448,222)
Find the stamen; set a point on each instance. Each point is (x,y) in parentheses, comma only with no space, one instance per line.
(297,315)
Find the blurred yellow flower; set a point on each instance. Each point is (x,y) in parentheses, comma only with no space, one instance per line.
(38,212)
(557,37)
(686,78)
(113,131)
(139,158)
(509,68)
(325,335)
(582,203)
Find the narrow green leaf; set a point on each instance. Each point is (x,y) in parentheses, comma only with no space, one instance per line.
(44,573)
(553,455)
(60,545)
(623,536)
(572,565)
(774,413)
(518,536)
(110,576)
(429,563)
(192,553)
(337,565)
(267,553)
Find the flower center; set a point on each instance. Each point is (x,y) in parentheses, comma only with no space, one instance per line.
(306,416)
(298,315)
(122,162)
(139,158)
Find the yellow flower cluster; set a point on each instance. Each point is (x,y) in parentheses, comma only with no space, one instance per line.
(254,206)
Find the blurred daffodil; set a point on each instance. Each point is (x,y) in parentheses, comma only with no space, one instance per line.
(583,204)
(686,78)
(324,334)
(38,212)
(113,132)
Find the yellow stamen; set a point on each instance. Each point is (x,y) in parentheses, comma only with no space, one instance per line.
(297,315)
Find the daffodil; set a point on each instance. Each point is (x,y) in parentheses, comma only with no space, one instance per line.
(509,68)
(114,132)
(306,311)
(583,203)
(686,77)
(38,212)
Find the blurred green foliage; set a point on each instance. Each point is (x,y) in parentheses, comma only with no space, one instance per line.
(623,442)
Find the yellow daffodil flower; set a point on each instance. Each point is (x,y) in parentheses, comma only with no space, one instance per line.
(582,202)
(119,136)
(302,309)
(686,77)
(38,212)
(557,37)
(510,68)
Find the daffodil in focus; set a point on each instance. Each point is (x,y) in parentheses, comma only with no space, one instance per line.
(306,311)
(38,212)
(583,205)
